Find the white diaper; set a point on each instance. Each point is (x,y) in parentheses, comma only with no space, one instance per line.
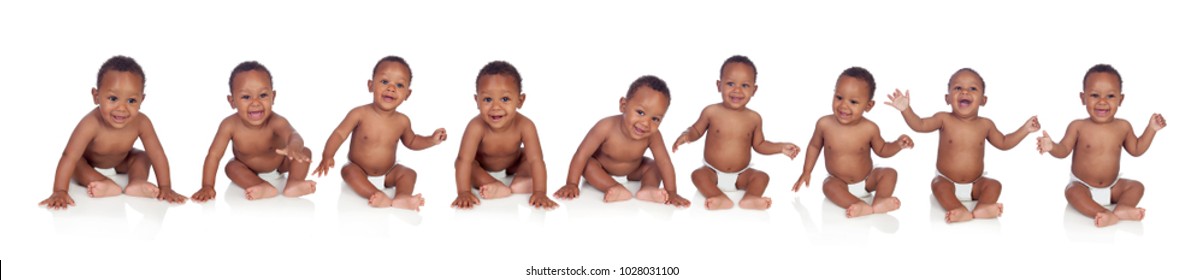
(377,181)
(962,190)
(107,172)
(499,175)
(1103,195)
(727,181)
(271,176)
(858,189)
(621,179)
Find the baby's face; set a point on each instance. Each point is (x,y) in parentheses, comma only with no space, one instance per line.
(252,96)
(965,94)
(498,99)
(390,85)
(1102,96)
(852,99)
(737,85)
(119,96)
(643,113)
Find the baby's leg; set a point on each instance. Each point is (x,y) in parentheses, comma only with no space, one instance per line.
(986,191)
(98,185)
(601,180)
(403,179)
(297,170)
(882,183)
(707,183)
(754,183)
(650,182)
(943,190)
(838,192)
(522,175)
(357,179)
(490,187)
(1079,197)
(1127,193)
(248,180)
(137,166)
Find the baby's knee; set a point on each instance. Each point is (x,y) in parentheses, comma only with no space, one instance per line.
(306,152)
(888,172)
(758,175)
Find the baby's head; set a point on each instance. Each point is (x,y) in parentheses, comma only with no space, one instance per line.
(499,93)
(251,92)
(854,95)
(390,83)
(967,92)
(644,107)
(1102,92)
(118,91)
(737,81)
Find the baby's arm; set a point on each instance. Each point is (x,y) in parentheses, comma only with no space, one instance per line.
(813,149)
(464,161)
(336,139)
(418,142)
(539,172)
(664,164)
(1060,149)
(1010,141)
(695,131)
(902,102)
(588,146)
(216,151)
(1138,145)
(76,145)
(765,147)
(294,146)
(158,160)
(884,149)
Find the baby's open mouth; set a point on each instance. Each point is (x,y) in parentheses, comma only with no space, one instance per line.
(255,115)
(963,102)
(120,119)
(388,98)
(736,99)
(1102,112)
(495,117)
(638,130)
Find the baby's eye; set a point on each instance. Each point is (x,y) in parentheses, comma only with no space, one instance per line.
(263,95)
(744,85)
(973,88)
(506,99)
(132,100)
(957,88)
(656,119)
(731,84)
(1094,95)
(838,97)
(245,97)
(853,102)
(1110,96)
(384,82)
(639,112)
(399,85)
(488,99)
(112,98)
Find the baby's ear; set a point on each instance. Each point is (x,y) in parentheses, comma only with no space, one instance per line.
(718,85)
(622,104)
(947,100)
(370,85)
(230,99)
(95,96)
(1122,99)
(521,98)
(1083,98)
(869,105)
(984,101)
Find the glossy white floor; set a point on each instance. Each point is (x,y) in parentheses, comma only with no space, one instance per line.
(576,62)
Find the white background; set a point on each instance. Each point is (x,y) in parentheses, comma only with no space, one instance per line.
(577,60)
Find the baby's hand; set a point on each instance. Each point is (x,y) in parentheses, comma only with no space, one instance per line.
(324,166)
(465,200)
(171,196)
(567,192)
(204,194)
(678,201)
(293,154)
(541,200)
(791,150)
(1157,122)
(440,135)
(58,200)
(684,138)
(805,179)
(899,100)
(1044,144)
(1032,125)
(905,141)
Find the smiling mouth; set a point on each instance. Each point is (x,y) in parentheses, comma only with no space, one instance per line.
(963,103)
(120,119)
(1102,112)
(736,99)
(255,115)
(495,117)
(638,130)
(387,98)
(843,115)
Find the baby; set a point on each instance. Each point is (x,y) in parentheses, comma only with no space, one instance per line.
(104,139)
(959,161)
(500,139)
(731,130)
(264,142)
(848,138)
(375,129)
(616,146)
(1096,142)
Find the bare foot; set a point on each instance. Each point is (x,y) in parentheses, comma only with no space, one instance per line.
(958,215)
(654,195)
(297,189)
(103,188)
(1106,218)
(379,200)
(887,205)
(522,185)
(142,189)
(1129,213)
(719,202)
(988,211)
(495,190)
(261,191)
(755,203)
(858,209)
(616,193)
(409,202)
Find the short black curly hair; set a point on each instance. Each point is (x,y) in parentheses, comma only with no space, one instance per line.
(120,63)
(863,75)
(1104,68)
(249,66)
(651,82)
(499,67)
(739,59)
